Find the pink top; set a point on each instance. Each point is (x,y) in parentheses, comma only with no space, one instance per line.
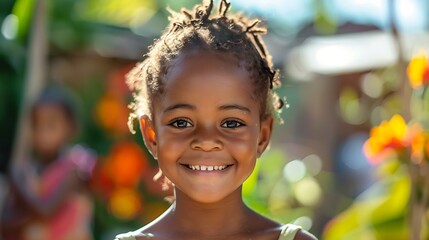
(72,218)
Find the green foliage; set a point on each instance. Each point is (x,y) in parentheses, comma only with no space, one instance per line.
(378,213)
(24,10)
(269,193)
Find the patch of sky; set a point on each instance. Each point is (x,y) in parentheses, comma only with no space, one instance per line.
(412,15)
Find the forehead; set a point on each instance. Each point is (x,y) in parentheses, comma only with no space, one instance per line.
(203,75)
(198,60)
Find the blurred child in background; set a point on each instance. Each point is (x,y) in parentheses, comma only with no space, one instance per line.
(48,198)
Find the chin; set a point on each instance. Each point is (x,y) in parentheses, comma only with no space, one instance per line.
(209,197)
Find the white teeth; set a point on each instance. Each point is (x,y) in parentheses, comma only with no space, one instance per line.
(206,168)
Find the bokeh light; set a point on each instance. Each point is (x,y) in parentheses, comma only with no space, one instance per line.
(294,171)
(351,109)
(313,164)
(9,27)
(308,191)
(372,85)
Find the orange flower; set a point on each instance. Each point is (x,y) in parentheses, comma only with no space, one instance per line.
(391,135)
(418,140)
(127,164)
(112,113)
(125,203)
(418,70)
(395,136)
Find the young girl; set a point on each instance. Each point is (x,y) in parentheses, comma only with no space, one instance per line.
(205,104)
(48,200)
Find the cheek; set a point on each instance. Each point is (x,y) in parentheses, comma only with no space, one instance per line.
(171,147)
(243,144)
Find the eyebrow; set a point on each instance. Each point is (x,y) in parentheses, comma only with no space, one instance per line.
(179,105)
(235,107)
(192,107)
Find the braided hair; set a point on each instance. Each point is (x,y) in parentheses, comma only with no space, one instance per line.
(198,29)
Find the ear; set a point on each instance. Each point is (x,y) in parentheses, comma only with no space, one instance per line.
(148,133)
(265,131)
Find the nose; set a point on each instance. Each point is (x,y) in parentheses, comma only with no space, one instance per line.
(207,139)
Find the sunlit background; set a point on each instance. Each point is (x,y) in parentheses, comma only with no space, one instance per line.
(343,65)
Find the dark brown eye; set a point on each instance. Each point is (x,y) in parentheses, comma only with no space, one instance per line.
(232,124)
(180,123)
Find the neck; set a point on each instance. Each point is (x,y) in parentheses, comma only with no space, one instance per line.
(209,219)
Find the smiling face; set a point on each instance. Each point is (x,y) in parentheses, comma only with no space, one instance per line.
(206,131)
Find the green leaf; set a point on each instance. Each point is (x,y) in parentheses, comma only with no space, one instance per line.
(24,11)
(378,213)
